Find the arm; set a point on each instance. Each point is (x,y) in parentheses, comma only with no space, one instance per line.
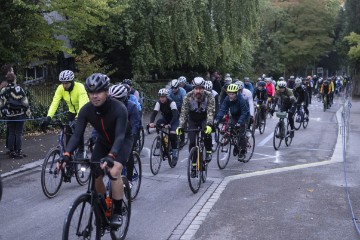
(134,117)
(78,133)
(245,113)
(155,112)
(210,109)
(83,97)
(224,108)
(56,101)
(175,112)
(184,111)
(120,129)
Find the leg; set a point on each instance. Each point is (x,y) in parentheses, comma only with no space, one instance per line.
(11,139)
(191,135)
(19,126)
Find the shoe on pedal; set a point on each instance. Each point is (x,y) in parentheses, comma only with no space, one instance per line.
(208,156)
(241,156)
(116,220)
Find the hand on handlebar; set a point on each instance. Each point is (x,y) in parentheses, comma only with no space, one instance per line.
(45,123)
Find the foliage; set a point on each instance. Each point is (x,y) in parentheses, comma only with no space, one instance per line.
(354,41)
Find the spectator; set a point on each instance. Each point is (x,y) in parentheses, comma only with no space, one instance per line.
(216,82)
(6,69)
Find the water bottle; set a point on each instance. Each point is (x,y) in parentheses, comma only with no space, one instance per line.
(166,141)
(108,201)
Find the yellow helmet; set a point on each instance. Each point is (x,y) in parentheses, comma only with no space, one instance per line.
(232,88)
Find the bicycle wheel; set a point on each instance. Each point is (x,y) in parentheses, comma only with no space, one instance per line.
(298,117)
(288,139)
(81,222)
(250,145)
(277,138)
(306,121)
(51,179)
(223,151)
(142,139)
(255,123)
(262,126)
(120,232)
(1,188)
(204,166)
(193,173)
(325,104)
(137,175)
(156,156)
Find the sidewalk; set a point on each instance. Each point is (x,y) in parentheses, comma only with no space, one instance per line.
(303,202)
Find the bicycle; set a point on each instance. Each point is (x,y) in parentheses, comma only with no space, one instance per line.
(325,102)
(90,212)
(301,118)
(259,121)
(139,145)
(229,139)
(136,176)
(269,105)
(197,166)
(220,129)
(51,179)
(160,149)
(279,131)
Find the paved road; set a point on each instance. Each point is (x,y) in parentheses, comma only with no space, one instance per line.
(294,193)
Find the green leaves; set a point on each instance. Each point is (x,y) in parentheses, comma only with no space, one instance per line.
(354,41)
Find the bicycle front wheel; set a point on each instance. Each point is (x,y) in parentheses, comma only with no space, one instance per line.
(223,151)
(277,138)
(288,139)
(306,121)
(298,118)
(119,233)
(156,156)
(81,222)
(137,175)
(51,179)
(250,145)
(262,125)
(194,174)
(82,173)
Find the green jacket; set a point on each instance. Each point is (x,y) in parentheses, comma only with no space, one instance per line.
(75,99)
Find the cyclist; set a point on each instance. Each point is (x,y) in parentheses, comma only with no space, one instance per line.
(177,94)
(170,117)
(261,96)
(223,94)
(132,91)
(332,87)
(287,103)
(239,112)
(247,95)
(198,111)
(248,85)
(114,142)
(325,91)
(301,95)
(119,92)
(270,88)
(183,83)
(309,83)
(209,88)
(75,96)
(291,82)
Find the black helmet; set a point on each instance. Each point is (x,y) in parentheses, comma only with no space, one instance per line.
(128,82)
(97,82)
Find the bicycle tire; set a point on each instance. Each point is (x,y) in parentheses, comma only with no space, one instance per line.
(156,156)
(297,125)
(306,122)
(256,119)
(224,146)
(288,139)
(325,104)
(137,176)
(262,126)
(51,180)
(84,212)
(120,232)
(194,182)
(204,168)
(1,188)
(277,135)
(250,146)
(142,139)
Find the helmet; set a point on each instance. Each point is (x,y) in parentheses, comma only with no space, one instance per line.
(268,80)
(198,82)
(298,81)
(97,82)
(208,85)
(128,82)
(66,76)
(281,78)
(182,79)
(232,88)
(282,84)
(240,84)
(174,83)
(246,79)
(292,77)
(259,79)
(314,76)
(228,80)
(261,84)
(227,75)
(163,92)
(118,91)
(263,76)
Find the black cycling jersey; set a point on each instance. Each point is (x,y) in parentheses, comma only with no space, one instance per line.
(261,95)
(301,94)
(111,123)
(168,110)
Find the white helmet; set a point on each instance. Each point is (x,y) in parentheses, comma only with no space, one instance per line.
(282,84)
(163,92)
(208,85)
(66,76)
(228,80)
(298,81)
(268,80)
(240,84)
(182,79)
(292,77)
(174,83)
(198,82)
(281,78)
(227,75)
(118,91)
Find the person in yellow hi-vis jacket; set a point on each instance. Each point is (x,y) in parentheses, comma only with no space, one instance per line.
(75,96)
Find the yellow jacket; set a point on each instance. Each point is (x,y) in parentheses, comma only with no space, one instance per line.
(75,99)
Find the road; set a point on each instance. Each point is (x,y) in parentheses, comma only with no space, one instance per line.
(165,207)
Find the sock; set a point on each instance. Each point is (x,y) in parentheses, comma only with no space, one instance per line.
(117,206)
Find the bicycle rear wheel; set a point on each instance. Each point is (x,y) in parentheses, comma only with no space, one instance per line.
(119,233)
(81,222)
(277,138)
(156,156)
(250,145)
(298,118)
(288,139)
(137,176)
(223,151)
(262,126)
(255,123)
(193,172)
(51,179)
(306,121)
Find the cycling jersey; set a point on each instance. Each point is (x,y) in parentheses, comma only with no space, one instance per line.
(270,89)
(111,123)
(198,111)
(133,99)
(261,95)
(178,97)
(325,89)
(286,98)
(168,110)
(249,99)
(249,87)
(239,109)
(75,99)
(301,94)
